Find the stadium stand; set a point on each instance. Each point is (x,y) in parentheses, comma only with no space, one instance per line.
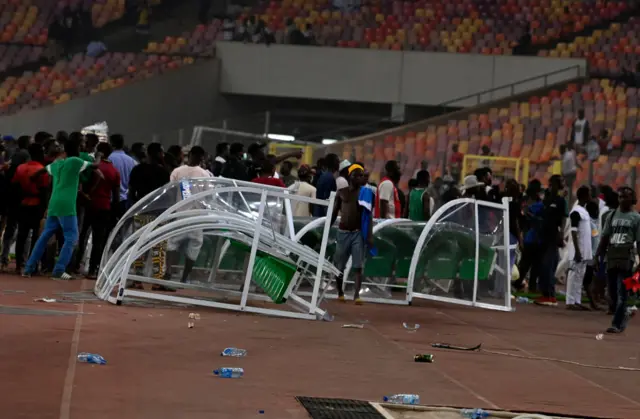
(534,129)
(609,51)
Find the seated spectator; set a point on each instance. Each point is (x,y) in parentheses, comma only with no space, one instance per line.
(293,35)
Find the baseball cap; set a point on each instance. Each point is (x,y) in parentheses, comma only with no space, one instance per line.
(254,148)
(344,164)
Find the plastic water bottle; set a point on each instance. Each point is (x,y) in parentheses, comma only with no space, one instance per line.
(474,414)
(91,358)
(235,352)
(523,300)
(402,399)
(229,372)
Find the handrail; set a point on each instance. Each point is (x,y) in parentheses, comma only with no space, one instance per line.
(478,95)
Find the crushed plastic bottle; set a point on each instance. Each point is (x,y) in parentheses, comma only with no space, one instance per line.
(474,414)
(91,358)
(235,352)
(411,328)
(402,399)
(523,300)
(229,372)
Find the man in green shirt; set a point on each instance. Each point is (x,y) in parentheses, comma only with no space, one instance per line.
(61,213)
(621,229)
(419,199)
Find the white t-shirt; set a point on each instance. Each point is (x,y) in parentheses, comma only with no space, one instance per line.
(302,208)
(186,171)
(386,189)
(578,130)
(341,183)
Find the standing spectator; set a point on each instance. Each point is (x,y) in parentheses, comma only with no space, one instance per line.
(593,149)
(102,209)
(192,241)
(621,233)
(146,178)
(174,157)
(285,173)
(486,151)
(257,158)
(420,203)
(138,152)
(388,203)
(234,166)
(592,209)
(302,209)
(33,204)
(91,142)
(62,212)
(455,163)
(552,238)
(124,164)
(570,167)
(222,153)
(293,35)
(580,251)
(267,172)
(13,197)
(326,183)
(531,252)
(580,131)
(343,175)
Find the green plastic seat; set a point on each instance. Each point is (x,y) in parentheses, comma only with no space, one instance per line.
(404,241)
(381,265)
(235,256)
(273,276)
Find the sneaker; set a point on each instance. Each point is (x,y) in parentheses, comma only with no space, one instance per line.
(613,329)
(62,277)
(26,274)
(341,298)
(546,301)
(359,302)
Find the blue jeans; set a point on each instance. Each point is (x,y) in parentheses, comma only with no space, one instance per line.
(69,225)
(547,274)
(618,294)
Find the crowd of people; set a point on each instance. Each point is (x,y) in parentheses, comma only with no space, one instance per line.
(59,188)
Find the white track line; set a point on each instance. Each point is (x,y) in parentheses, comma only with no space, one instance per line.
(65,404)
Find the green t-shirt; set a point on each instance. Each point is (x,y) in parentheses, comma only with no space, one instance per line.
(86,176)
(416,206)
(65,175)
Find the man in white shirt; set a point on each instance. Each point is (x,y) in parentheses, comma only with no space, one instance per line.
(303,209)
(581,251)
(190,242)
(341,180)
(387,200)
(580,131)
(570,167)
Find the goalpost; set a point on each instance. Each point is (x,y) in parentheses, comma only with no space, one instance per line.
(502,167)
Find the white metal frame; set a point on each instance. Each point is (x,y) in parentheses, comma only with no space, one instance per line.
(409,293)
(504,206)
(177,220)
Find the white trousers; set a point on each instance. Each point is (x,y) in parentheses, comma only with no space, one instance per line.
(575,277)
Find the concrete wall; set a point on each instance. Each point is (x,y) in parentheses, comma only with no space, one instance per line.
(364,75)
(177,99)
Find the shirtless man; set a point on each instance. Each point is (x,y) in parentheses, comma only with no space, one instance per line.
(350,240)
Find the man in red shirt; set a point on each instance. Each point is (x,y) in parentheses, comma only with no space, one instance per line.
(455,163)
(266,175)
(104,202)
(34,197)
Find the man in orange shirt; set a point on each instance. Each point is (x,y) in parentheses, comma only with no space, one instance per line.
(34,194)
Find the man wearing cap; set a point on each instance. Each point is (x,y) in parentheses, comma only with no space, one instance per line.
(350,239)
(343,171)
(302,209)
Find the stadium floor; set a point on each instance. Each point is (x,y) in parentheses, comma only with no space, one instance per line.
(159,368)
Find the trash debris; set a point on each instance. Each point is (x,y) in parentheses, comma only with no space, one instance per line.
(229,372)
(423,358)
(474,414)
(190,325)
(599,336)
(523,300)
(457,348)
(88,358)
(194,316)
(631,311)
(353,326)
(45,300)
(363,321)
(261,412)
(235,352)
(413,328)
(402,399)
